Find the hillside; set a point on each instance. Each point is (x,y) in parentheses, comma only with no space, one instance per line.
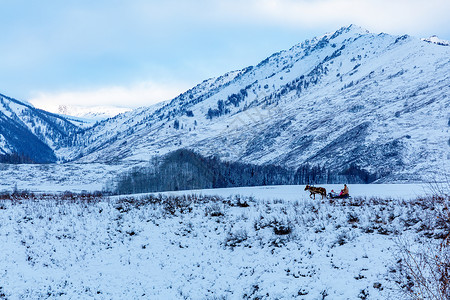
(377,101)
(348,99)
(28,134)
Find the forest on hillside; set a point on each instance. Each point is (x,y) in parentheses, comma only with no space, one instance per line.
(187,170)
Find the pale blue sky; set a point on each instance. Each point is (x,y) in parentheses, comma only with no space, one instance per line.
(134,53)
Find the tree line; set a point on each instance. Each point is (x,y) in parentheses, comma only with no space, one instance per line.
(187,170)
(15,158)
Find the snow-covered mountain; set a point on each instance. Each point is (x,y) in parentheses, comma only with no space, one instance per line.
(377,101)
(90,114)
(436,40)
(30,133)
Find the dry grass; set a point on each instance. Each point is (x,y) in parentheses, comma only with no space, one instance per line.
(425,273)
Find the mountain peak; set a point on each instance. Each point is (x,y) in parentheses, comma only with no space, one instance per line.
(356,28)
(434,39)
(352,29)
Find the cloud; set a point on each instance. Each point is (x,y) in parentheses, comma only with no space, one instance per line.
(393,16)
(92,51)
(136,95)
(156,18)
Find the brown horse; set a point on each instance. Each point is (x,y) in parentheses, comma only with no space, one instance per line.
(316,190)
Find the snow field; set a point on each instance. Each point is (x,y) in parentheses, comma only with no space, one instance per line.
(205,247)
(297,192)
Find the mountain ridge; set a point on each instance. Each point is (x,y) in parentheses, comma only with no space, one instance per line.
(346,98)
(30,132)
(251,97)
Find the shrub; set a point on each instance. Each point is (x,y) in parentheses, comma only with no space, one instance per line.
(352,218)
(425,273)
(282,228)
(341,239)
(214,210)
(239,201)
(235,238)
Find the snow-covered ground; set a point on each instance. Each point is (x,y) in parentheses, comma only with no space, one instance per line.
(282,245)
(58,177)
(295,192)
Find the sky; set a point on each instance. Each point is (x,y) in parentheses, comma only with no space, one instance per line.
(132,53)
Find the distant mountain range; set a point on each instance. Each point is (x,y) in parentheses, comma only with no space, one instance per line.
(435,40)
(86,116)
(349,98)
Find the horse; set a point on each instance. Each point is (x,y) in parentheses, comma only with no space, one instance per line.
(316,190)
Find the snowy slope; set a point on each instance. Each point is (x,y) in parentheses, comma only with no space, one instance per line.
(349,97)
(32,132)
(197,247)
